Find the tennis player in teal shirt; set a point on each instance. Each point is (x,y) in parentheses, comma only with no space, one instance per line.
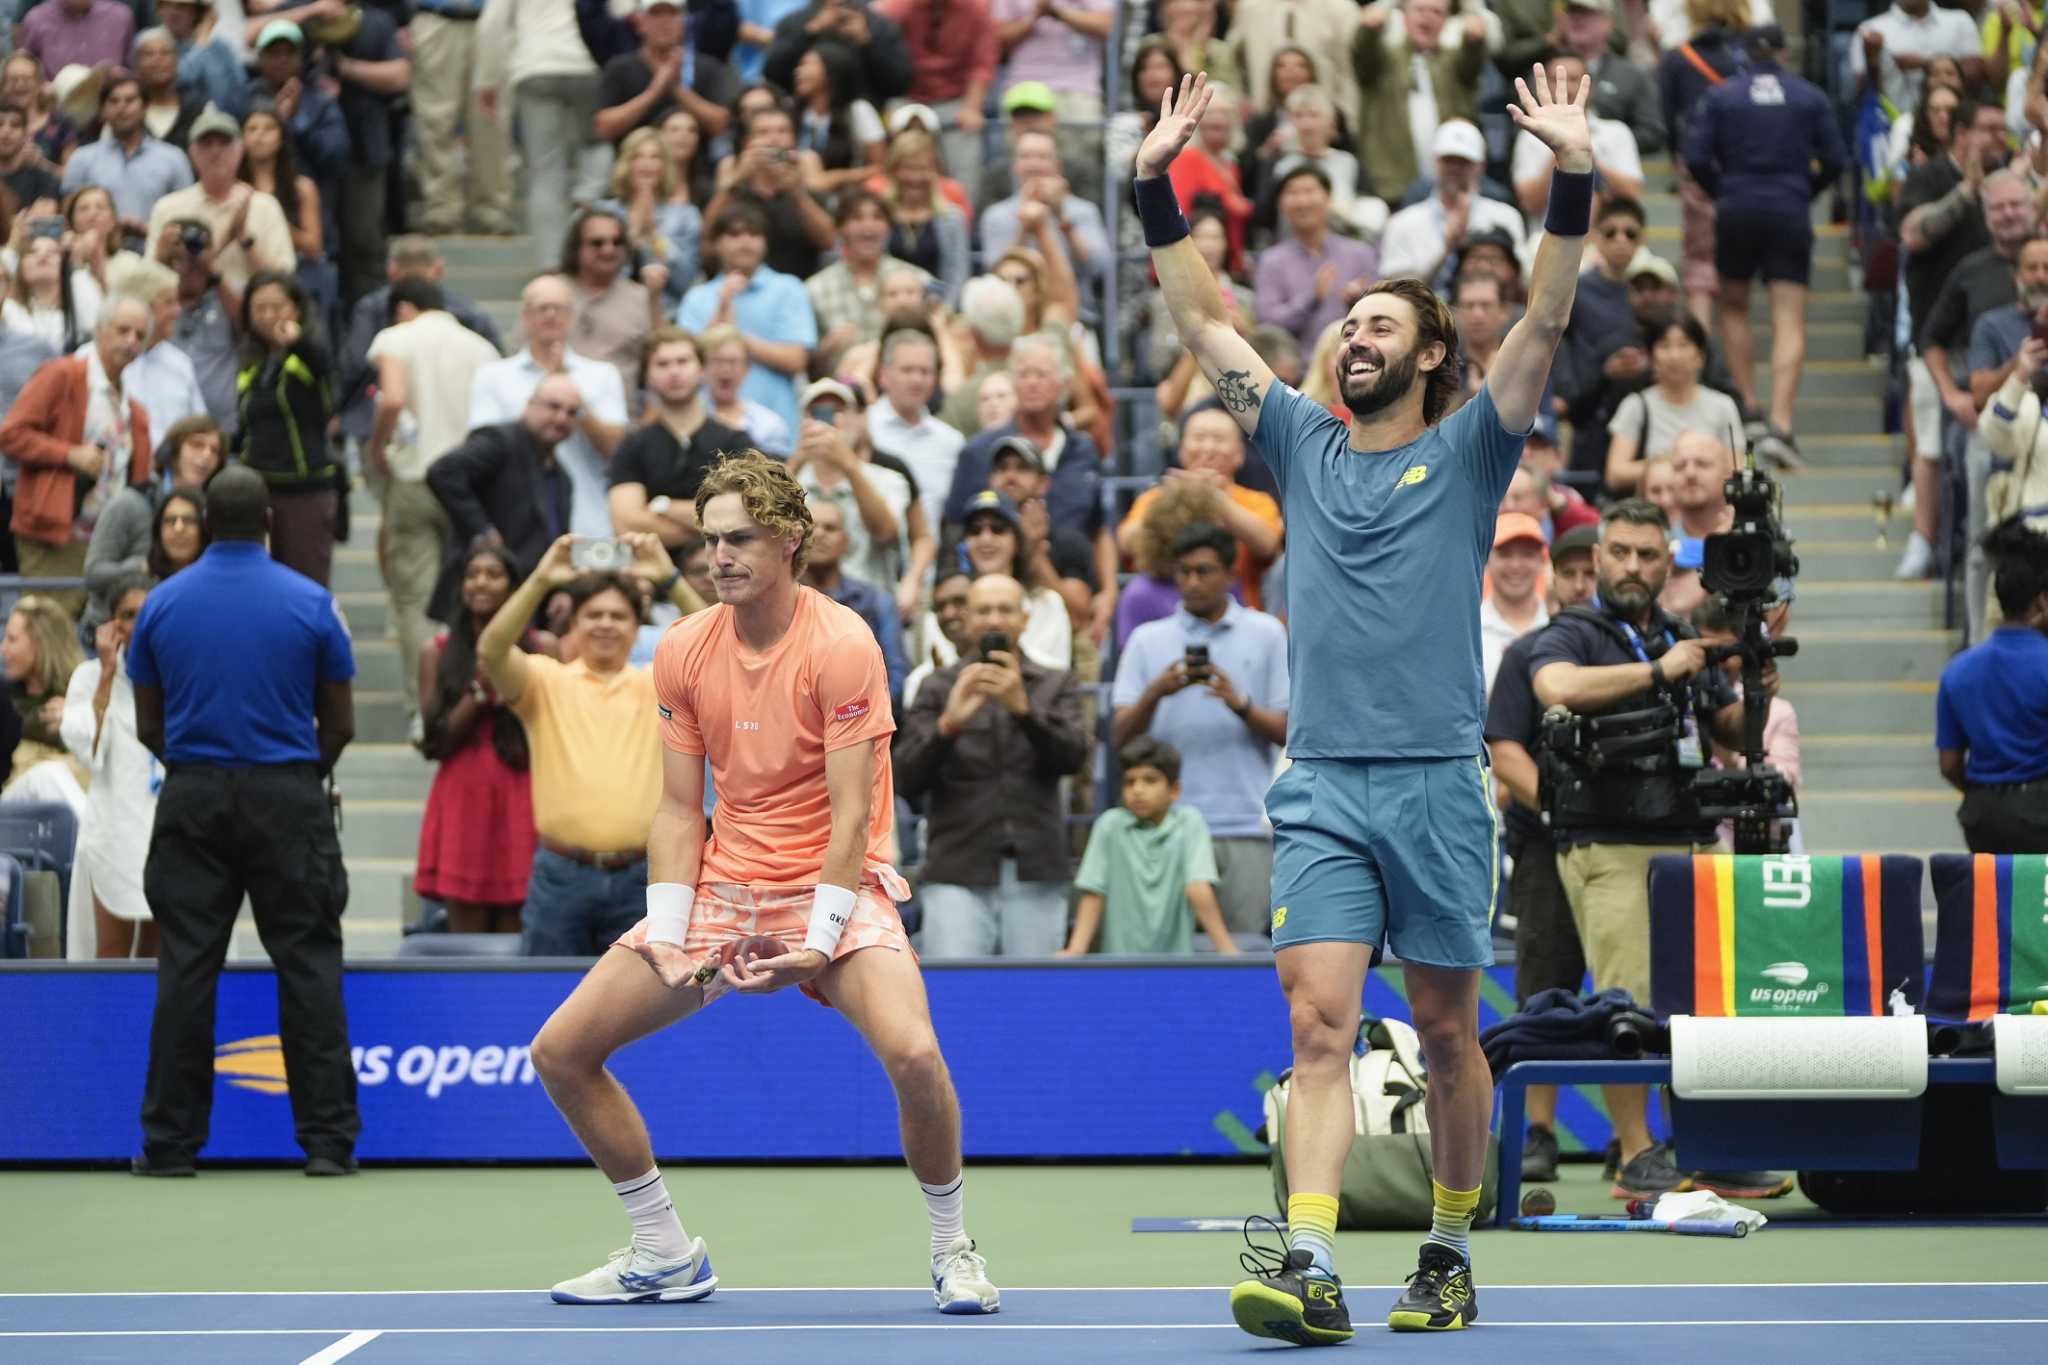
(1385,830)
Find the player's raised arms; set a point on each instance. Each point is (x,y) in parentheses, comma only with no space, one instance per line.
(1191,291)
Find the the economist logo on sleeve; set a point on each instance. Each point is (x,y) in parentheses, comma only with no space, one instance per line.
(852,710)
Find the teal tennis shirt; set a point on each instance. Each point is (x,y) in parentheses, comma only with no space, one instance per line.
(1385,552)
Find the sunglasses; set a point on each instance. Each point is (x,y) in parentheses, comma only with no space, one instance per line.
(987,528)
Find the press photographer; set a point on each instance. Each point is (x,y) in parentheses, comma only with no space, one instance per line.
(1632,698)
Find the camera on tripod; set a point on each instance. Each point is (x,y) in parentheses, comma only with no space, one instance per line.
(1743,567)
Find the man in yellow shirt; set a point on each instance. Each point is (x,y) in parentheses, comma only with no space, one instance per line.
(591,728)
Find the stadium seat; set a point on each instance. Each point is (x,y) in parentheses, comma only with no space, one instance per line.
(1990,935)
(42,836)
(13,922)
(1740,935)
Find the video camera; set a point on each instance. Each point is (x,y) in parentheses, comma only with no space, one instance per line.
(1744,568)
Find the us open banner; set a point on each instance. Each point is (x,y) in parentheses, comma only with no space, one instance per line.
(1085,1061)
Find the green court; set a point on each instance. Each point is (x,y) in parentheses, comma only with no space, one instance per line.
(515,1228)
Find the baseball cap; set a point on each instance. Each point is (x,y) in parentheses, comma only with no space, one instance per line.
(1648,262)
(995,503)
(281,30)
(1493,236)
(913,114)
(1018,446)
(829,388)
(1456,137)
(1597,6)
(1033,95)
(1574,540)
(1513,526)
(646,5)
(213,123)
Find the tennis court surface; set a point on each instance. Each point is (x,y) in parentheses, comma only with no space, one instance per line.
(452,1265)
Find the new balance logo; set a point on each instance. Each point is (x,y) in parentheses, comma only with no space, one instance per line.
(1415,473)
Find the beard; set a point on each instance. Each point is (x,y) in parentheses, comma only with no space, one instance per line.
(1368,396)
(1629,595)
(2034,298)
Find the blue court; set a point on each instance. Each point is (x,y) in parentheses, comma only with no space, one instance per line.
(1530,1323)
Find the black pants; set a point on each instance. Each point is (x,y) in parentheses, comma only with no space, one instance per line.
(1547,949)
(2010,818)
(267,833)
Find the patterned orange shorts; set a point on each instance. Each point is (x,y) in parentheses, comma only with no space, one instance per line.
(723,916)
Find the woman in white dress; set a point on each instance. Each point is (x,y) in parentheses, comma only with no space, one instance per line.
(108,915)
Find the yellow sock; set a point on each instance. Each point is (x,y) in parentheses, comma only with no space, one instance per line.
(1312,1226)
(1451,1221)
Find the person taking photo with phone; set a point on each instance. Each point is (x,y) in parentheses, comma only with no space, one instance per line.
(1211,681)
(986,743)
(591,728)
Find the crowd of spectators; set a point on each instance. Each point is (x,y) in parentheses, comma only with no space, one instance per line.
(869,237)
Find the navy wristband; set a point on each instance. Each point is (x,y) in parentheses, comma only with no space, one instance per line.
(1571,204)
(1159,211)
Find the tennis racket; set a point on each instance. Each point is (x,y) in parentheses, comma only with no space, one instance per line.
(1685,1227)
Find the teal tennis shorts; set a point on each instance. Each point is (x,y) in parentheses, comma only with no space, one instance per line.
(1401,852)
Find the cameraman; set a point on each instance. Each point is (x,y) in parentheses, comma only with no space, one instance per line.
(1624,654)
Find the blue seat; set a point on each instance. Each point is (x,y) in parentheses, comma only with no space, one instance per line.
(14,925)
(43,837)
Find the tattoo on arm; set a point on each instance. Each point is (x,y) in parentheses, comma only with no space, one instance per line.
(1234,388)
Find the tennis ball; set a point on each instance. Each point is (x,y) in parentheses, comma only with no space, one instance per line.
(1538,1202)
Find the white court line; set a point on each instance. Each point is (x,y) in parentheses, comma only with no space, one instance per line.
(347,1346)
(724,1290)
(1630,1325)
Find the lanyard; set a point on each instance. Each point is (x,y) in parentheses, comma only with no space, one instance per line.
(1636,641)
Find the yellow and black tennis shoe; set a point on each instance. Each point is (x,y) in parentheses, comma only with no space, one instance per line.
(1284,1298)
(1440,1296)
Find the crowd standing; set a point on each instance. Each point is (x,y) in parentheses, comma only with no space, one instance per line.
(869,239)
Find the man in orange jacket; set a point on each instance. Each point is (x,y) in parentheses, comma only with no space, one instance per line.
(78,438)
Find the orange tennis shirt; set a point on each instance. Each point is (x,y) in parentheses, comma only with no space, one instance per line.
(766,721)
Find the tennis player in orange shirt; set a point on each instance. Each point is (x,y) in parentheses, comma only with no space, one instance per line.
(784,691)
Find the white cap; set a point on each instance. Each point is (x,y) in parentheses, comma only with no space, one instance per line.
(1456,137)
(909,113)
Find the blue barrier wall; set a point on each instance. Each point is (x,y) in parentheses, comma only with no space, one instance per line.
(1075,1061)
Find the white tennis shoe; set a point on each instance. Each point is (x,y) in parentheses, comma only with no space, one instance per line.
(631,1275)
(960,1281)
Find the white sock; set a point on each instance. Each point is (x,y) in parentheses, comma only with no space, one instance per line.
(656,1229)
(946,1205)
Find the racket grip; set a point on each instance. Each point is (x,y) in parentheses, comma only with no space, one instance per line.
(1701,1227)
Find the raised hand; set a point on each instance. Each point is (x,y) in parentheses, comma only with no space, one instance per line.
(1555,115)
(1179,112)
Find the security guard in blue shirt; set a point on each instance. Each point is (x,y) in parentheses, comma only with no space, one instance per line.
(1991,715)
(242,672)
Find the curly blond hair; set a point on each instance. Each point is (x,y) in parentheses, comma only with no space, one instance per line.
(1178,506)
(773,498)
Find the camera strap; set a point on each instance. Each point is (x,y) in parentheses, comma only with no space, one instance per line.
(1691,754)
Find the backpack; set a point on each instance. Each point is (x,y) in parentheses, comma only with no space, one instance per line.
(1387,1173)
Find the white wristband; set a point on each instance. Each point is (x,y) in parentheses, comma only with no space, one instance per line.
(831,911)
(668,911)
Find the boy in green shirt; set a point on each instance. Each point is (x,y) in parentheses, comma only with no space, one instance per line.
(1151,862)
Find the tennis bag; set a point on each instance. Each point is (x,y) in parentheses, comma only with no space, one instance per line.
(1387,1173)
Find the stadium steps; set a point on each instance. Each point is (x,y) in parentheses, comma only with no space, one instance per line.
(1872,648)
